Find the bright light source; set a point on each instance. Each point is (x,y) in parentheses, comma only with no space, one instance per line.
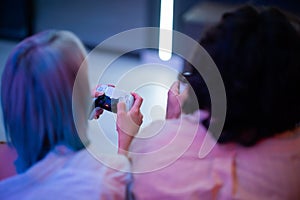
(165,31)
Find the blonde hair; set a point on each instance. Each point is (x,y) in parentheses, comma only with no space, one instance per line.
(36,94)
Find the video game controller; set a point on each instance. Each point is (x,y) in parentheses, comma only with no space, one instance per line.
(109,100)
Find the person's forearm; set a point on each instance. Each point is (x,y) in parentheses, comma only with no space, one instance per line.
(124,143)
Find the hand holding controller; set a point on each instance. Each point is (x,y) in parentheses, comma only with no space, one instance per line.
(128,123)
(127,106)
(108,97)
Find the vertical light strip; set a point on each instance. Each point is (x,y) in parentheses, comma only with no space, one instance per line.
(166,28)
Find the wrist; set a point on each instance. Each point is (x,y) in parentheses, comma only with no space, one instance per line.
(124,142)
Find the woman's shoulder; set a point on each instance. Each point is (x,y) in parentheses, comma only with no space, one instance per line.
(66,172)
(93,160)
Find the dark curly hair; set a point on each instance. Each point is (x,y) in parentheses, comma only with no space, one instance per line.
(258,56)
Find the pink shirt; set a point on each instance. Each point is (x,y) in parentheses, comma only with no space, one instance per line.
(7,157)
(168,165)
(64,174)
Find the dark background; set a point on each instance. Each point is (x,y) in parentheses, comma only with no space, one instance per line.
(96,20)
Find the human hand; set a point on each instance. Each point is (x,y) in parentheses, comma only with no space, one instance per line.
(97,111)
(128,123)
(175,100)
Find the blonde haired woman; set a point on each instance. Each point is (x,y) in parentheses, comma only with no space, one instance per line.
(37,90)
